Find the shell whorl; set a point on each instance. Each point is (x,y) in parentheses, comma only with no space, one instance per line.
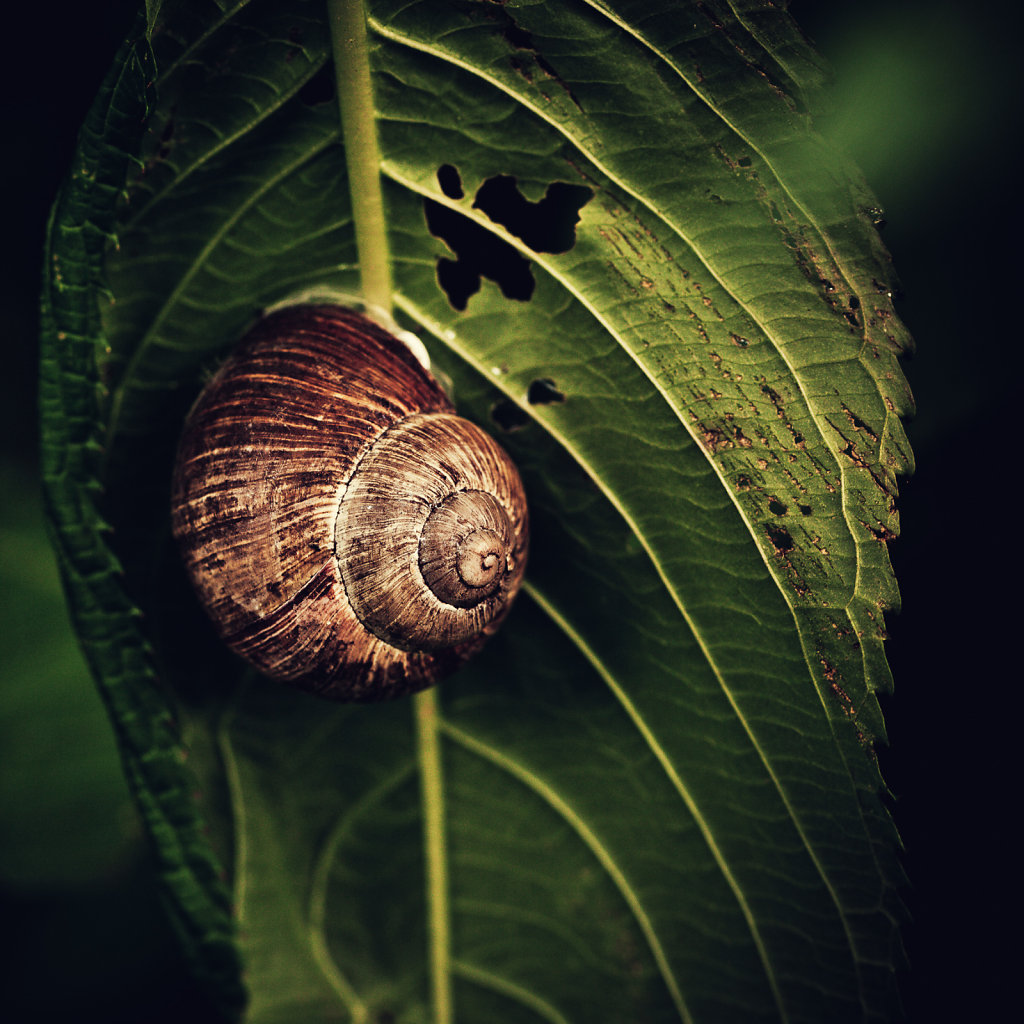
(345,530)
(437,508)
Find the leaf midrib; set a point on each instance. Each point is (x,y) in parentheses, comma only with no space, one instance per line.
(428,727)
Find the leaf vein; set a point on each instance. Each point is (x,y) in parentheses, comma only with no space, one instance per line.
(676,780)
(142,349)
(590,839)
(489,979)
(662,573)
(320,880)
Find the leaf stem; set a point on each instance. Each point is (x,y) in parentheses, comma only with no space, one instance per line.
(427,732)
(362,156)
(350,47)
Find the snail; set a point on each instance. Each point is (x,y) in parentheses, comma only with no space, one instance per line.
(346,532)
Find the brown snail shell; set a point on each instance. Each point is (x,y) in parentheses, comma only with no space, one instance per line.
(343,528)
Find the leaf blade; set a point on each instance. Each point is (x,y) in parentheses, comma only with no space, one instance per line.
(81,226)
(691,343)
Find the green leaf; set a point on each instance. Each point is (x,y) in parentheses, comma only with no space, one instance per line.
(654,796)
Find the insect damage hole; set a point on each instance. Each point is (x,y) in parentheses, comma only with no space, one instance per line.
(545,226)
(450,181)
(478,254)
(780,538)
(543,392)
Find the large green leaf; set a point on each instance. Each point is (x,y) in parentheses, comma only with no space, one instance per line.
(654,797)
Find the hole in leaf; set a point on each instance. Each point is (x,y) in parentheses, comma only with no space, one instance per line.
(450,182)
(457,281)
(547,226)
(776,507)
(320,88)
(543,392)
(509,416)
(479,254)
(780,538)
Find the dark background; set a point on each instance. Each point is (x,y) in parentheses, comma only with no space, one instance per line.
(926,99)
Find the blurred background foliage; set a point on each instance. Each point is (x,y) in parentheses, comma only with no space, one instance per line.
(926,100)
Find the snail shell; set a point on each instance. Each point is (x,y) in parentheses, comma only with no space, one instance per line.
(343,528)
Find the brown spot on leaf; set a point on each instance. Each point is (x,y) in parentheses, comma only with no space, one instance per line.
(773,396)
(858,424)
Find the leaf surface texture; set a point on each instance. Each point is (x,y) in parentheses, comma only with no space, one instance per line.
(654,795)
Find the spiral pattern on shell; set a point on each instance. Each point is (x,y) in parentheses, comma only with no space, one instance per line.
(344,529)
